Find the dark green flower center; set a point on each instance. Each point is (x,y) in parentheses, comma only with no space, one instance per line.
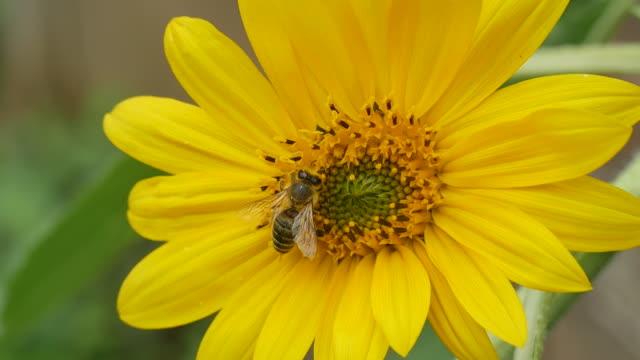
(364,194)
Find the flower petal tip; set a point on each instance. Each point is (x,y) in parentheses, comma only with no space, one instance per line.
(580,284)
(402,351)
(587,286)
(181,27)
(520,339)
(181,22)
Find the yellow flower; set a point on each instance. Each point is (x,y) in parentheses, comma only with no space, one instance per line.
(437,189)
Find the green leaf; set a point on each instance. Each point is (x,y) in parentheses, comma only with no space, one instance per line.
(636,11)
(81,244)
(591,59)
(588,21)
(608,22)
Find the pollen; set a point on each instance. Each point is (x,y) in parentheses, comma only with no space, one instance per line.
(378,172)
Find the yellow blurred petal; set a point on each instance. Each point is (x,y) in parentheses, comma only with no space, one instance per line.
(223,80)
(479,286)
(266,29)
(608,96)
(323,345)
(375,21)
(176,137)
(427,43)
(235,329)
(526,251)
(292,323)
(585,214)
(326,37)
(186,280)
(456,329)
(167,228)
(363,339)
(544,147)
(508,33)
(400,293)
(189,204)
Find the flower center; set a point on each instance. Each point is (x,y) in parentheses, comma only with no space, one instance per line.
(358,194)
(379,178)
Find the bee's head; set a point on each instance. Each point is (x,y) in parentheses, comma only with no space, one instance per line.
(311,179)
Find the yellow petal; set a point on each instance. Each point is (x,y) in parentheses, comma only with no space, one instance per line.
(297,313)
(400,293)
(323,345)
(608,96)
(585,214)
(186,280)
(508,33)
(427,44)
(235,329)
(326,37)
(479,286)
(544,147)
(265,28)
(457,330)
(190,204)
(176,137)
(223,80)
(364,339)
(526,251)
(375,20)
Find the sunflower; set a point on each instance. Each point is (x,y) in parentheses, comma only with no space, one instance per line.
(436,190)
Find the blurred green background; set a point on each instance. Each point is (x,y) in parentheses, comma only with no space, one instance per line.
(65,248)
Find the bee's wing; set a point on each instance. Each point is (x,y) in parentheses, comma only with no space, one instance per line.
(259,209)
(305,232)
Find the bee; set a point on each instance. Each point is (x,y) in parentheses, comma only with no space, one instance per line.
(292,214)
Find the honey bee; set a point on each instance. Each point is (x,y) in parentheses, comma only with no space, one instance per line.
(292,214)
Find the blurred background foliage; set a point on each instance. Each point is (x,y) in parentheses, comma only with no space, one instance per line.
(65,247)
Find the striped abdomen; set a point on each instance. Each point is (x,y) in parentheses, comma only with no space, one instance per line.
(282,230)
